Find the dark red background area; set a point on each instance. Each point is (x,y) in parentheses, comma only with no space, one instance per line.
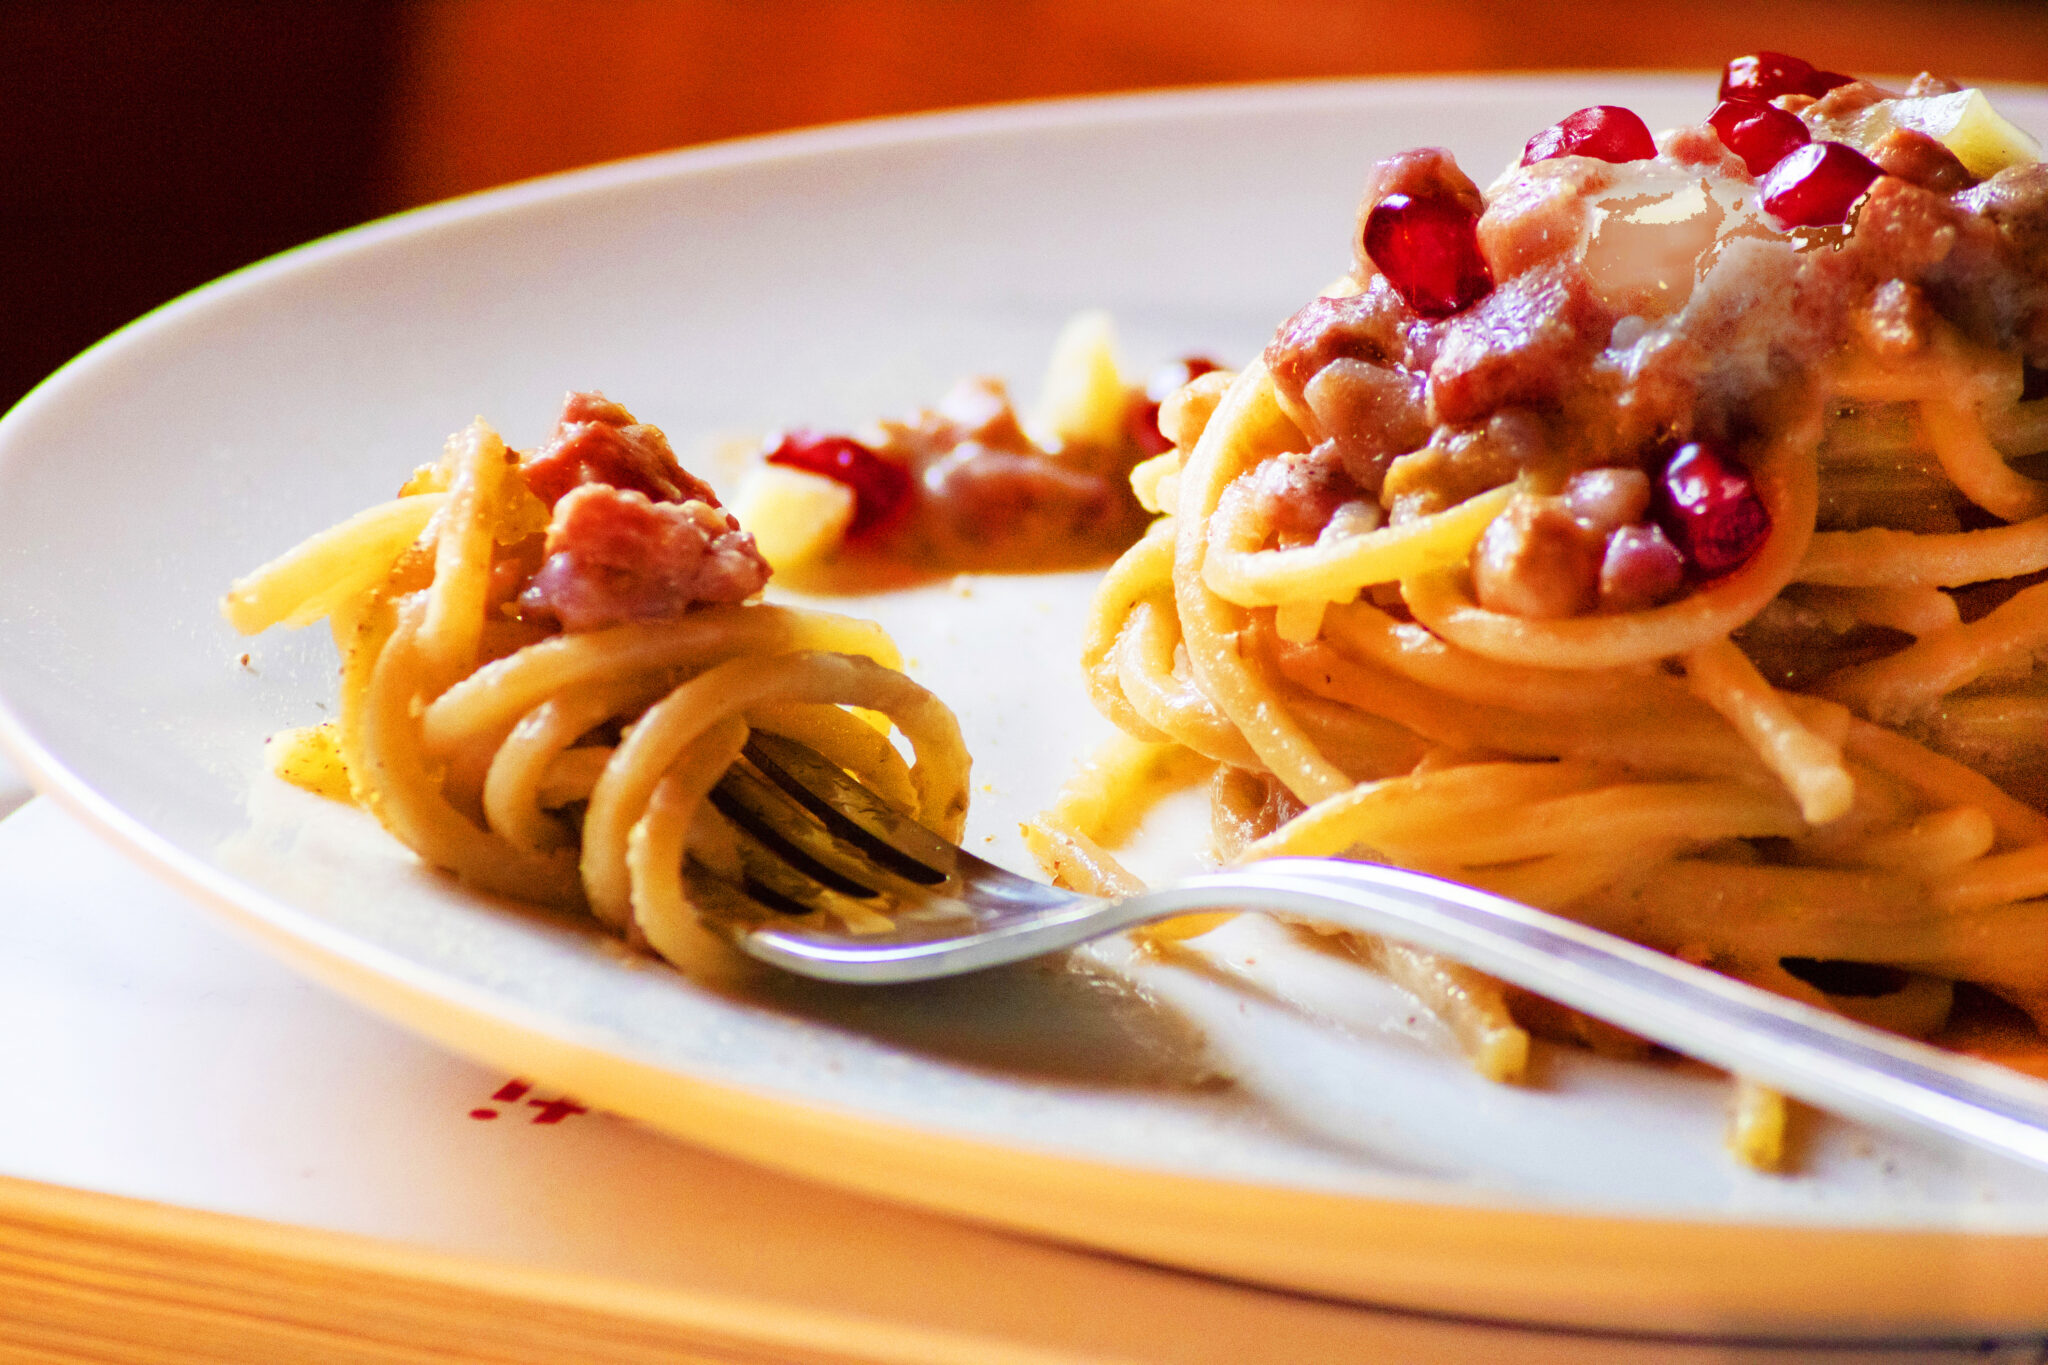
(148,147)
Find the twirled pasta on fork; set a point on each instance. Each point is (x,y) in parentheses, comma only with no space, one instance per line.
(549,661)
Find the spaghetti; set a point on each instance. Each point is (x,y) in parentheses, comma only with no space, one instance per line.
(540,698)
(1643,539)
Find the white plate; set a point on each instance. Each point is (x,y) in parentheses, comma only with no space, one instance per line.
(1323,1139)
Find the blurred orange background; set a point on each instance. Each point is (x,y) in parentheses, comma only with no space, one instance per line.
(150,145)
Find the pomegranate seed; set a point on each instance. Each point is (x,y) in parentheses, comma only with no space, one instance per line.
(1817,184)
(1767,75)
(1761,134)
(1708,506)
(881,488)
(1428,248)
(1605,132)
(1166,381)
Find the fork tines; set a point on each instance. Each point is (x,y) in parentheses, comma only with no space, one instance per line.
(811,838)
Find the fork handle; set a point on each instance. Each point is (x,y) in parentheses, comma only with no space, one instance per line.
(1805,1051)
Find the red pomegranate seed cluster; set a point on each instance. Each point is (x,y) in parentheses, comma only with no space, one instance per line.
(881,488)
(1709,507)
(1166,381)
(1767,75)
(1604,132)
(1428,248)
(1803,183)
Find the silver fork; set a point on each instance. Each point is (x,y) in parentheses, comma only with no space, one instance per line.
(817,838)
